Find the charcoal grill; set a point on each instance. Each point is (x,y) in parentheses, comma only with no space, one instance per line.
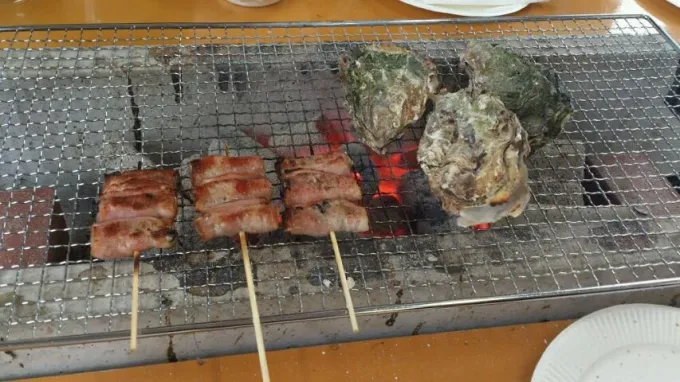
(78,102)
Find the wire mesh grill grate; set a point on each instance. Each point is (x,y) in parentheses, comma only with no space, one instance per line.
(79,102)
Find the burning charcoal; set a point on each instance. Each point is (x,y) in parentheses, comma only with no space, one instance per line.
(529,90)
(473,153)
(424,208)
(387,216)
(386,88)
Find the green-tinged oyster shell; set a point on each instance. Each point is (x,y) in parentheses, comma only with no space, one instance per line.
(473,151)
(528,89)
(386,89)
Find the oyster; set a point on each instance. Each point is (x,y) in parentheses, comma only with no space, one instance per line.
(528,89)
(386,89)
(473,152)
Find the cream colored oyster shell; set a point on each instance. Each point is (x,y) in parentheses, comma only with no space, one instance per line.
(473,152)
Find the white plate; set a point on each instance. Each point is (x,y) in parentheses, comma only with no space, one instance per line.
(675,2)
(469,11)
(253,3)
(636,342)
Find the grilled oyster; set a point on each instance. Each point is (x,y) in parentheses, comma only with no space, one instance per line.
(386,89)
(528,89)
(473,151)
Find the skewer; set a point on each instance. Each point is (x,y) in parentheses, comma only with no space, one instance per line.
(343,282)
(135,303)
(134,319)
(343,279)
(264,369)
(259,338)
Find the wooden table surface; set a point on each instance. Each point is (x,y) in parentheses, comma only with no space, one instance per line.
(498,354)
(507,354)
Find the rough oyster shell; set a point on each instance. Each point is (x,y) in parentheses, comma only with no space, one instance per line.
(473,152)
(386,89)
(528,89)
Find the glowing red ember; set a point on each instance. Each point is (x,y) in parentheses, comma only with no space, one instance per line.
(481,227)
(389,170)
(334,132)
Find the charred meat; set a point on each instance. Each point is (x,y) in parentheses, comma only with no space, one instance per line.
(257,218)
(473,152)
(115,239)
(139,182)
(232,195)
(136,212)
(386,89)
(212,194)
(336,162)
(304,187)
(238,205)
(161,204)
(322,218)
(529,90)
(319,193)
(216,167)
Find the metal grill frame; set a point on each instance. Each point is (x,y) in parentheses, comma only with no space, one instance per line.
(634,22)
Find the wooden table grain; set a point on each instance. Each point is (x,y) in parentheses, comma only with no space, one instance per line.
(507,354)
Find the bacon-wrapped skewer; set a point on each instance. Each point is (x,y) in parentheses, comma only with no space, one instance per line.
(229,192)
(319,196)
(136,212)
(233,196)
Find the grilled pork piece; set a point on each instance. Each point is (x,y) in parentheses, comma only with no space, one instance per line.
(305,187)
(217,167)
(122,238)
(322,218)
(259,218)
(212,194)
(139,182)
(336,162)
(136,212)
(238,205)
(161,204)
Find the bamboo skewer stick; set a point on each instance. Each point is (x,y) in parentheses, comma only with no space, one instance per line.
(135,303)
(259,338)
(343,279)
(343,282)
(261,352)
